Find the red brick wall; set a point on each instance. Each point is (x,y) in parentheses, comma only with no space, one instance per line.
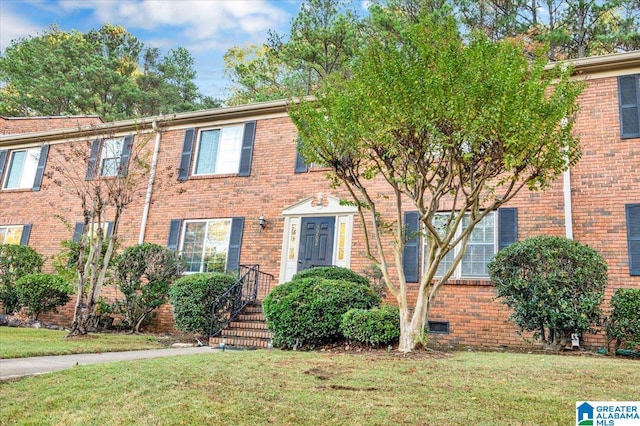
(606,178)
(16,125)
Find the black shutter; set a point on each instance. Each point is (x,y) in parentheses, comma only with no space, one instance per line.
(633,238)
(235,241)
(123,168)
(629,103)
(93,159)
(77,232)
(3,159)
(410,258)
(301,165)
(187,149)
(26,231)
(247,148)
(507,227)
(37,183)
(174,234)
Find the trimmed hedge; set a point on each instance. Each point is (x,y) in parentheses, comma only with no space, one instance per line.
(42,292)
(15,262)
(623,325)
(332,273)
(192,297)
(308,311)
(375,327)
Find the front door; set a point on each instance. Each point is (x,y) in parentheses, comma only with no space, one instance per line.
(316,242)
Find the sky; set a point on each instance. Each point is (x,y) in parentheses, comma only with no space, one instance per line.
(207,28)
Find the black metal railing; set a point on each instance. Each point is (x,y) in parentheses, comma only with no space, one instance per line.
(252,286)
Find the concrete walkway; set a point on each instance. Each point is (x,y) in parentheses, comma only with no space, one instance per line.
(20,367)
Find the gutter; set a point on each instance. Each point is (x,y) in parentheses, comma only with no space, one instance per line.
(152,176)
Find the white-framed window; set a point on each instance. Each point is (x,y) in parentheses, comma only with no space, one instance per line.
(22,168)
(481,247)
(218,151)
(11,234)
(205,245)
(110,156)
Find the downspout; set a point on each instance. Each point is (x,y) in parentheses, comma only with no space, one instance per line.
(568,213)
(152,175)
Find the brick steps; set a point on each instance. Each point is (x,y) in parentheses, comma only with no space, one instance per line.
(249,330)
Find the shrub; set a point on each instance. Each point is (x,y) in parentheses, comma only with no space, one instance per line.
(553,285)
(376,326)
(623,325)
(332,273)
(308,311)
(144,273)
(15,262)
(42,292)
(192,297)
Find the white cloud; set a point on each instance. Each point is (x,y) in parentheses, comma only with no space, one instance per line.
(14,26)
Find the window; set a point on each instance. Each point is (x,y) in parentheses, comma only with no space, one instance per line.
(109,157)
(14,234)
(218,151)
(78,230)
(629,106)
(25,167)
(481,247)
(633,238)
(224,150)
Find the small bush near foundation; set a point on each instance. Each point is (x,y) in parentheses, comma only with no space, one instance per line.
(15,262)
(623,326)
(332,273)
(192,297)
(553,285)
(308,311)
(42,292)
(376,327)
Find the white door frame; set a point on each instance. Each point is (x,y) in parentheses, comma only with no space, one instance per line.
(320,205)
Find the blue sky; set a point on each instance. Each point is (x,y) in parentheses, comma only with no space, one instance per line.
(207,28)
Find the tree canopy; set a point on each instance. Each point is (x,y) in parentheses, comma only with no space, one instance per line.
(67,73)
(445,124)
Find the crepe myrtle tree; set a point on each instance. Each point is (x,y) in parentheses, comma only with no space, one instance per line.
(446,124)
(104,189)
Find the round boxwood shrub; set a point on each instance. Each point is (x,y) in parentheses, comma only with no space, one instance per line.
(15,262)
(192,297)
(42,292)
(332,273)
(623,326)
(553,285)
(308,311)
(376,327)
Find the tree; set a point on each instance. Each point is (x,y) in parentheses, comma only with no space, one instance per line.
(104,194)
(443,125)
(144,274)
(553,285)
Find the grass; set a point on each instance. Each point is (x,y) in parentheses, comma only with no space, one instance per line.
(320,388)
(16,342)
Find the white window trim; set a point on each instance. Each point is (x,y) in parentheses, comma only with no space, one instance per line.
(207,221)
(238,152)
(457,273)
(34,153)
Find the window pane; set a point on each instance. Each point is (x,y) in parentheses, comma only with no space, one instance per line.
(10,234)
(207,152)
(22,168)
(217,245)
(193,244)
(480,249)
(110,156)
(230,150)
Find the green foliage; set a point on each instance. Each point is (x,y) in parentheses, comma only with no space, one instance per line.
(192,297)
(332,273)
(42,292)
(15,262)
(377,326)
(144,273)
(623,325)
(308,311)
(553,285)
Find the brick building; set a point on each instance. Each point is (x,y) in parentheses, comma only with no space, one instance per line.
(228,188)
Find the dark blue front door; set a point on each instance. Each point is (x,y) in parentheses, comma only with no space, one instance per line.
(316,242)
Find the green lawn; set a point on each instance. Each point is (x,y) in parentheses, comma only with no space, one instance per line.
(18,342)
(320,388)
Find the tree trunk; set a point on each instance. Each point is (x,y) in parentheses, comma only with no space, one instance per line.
(412,328)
